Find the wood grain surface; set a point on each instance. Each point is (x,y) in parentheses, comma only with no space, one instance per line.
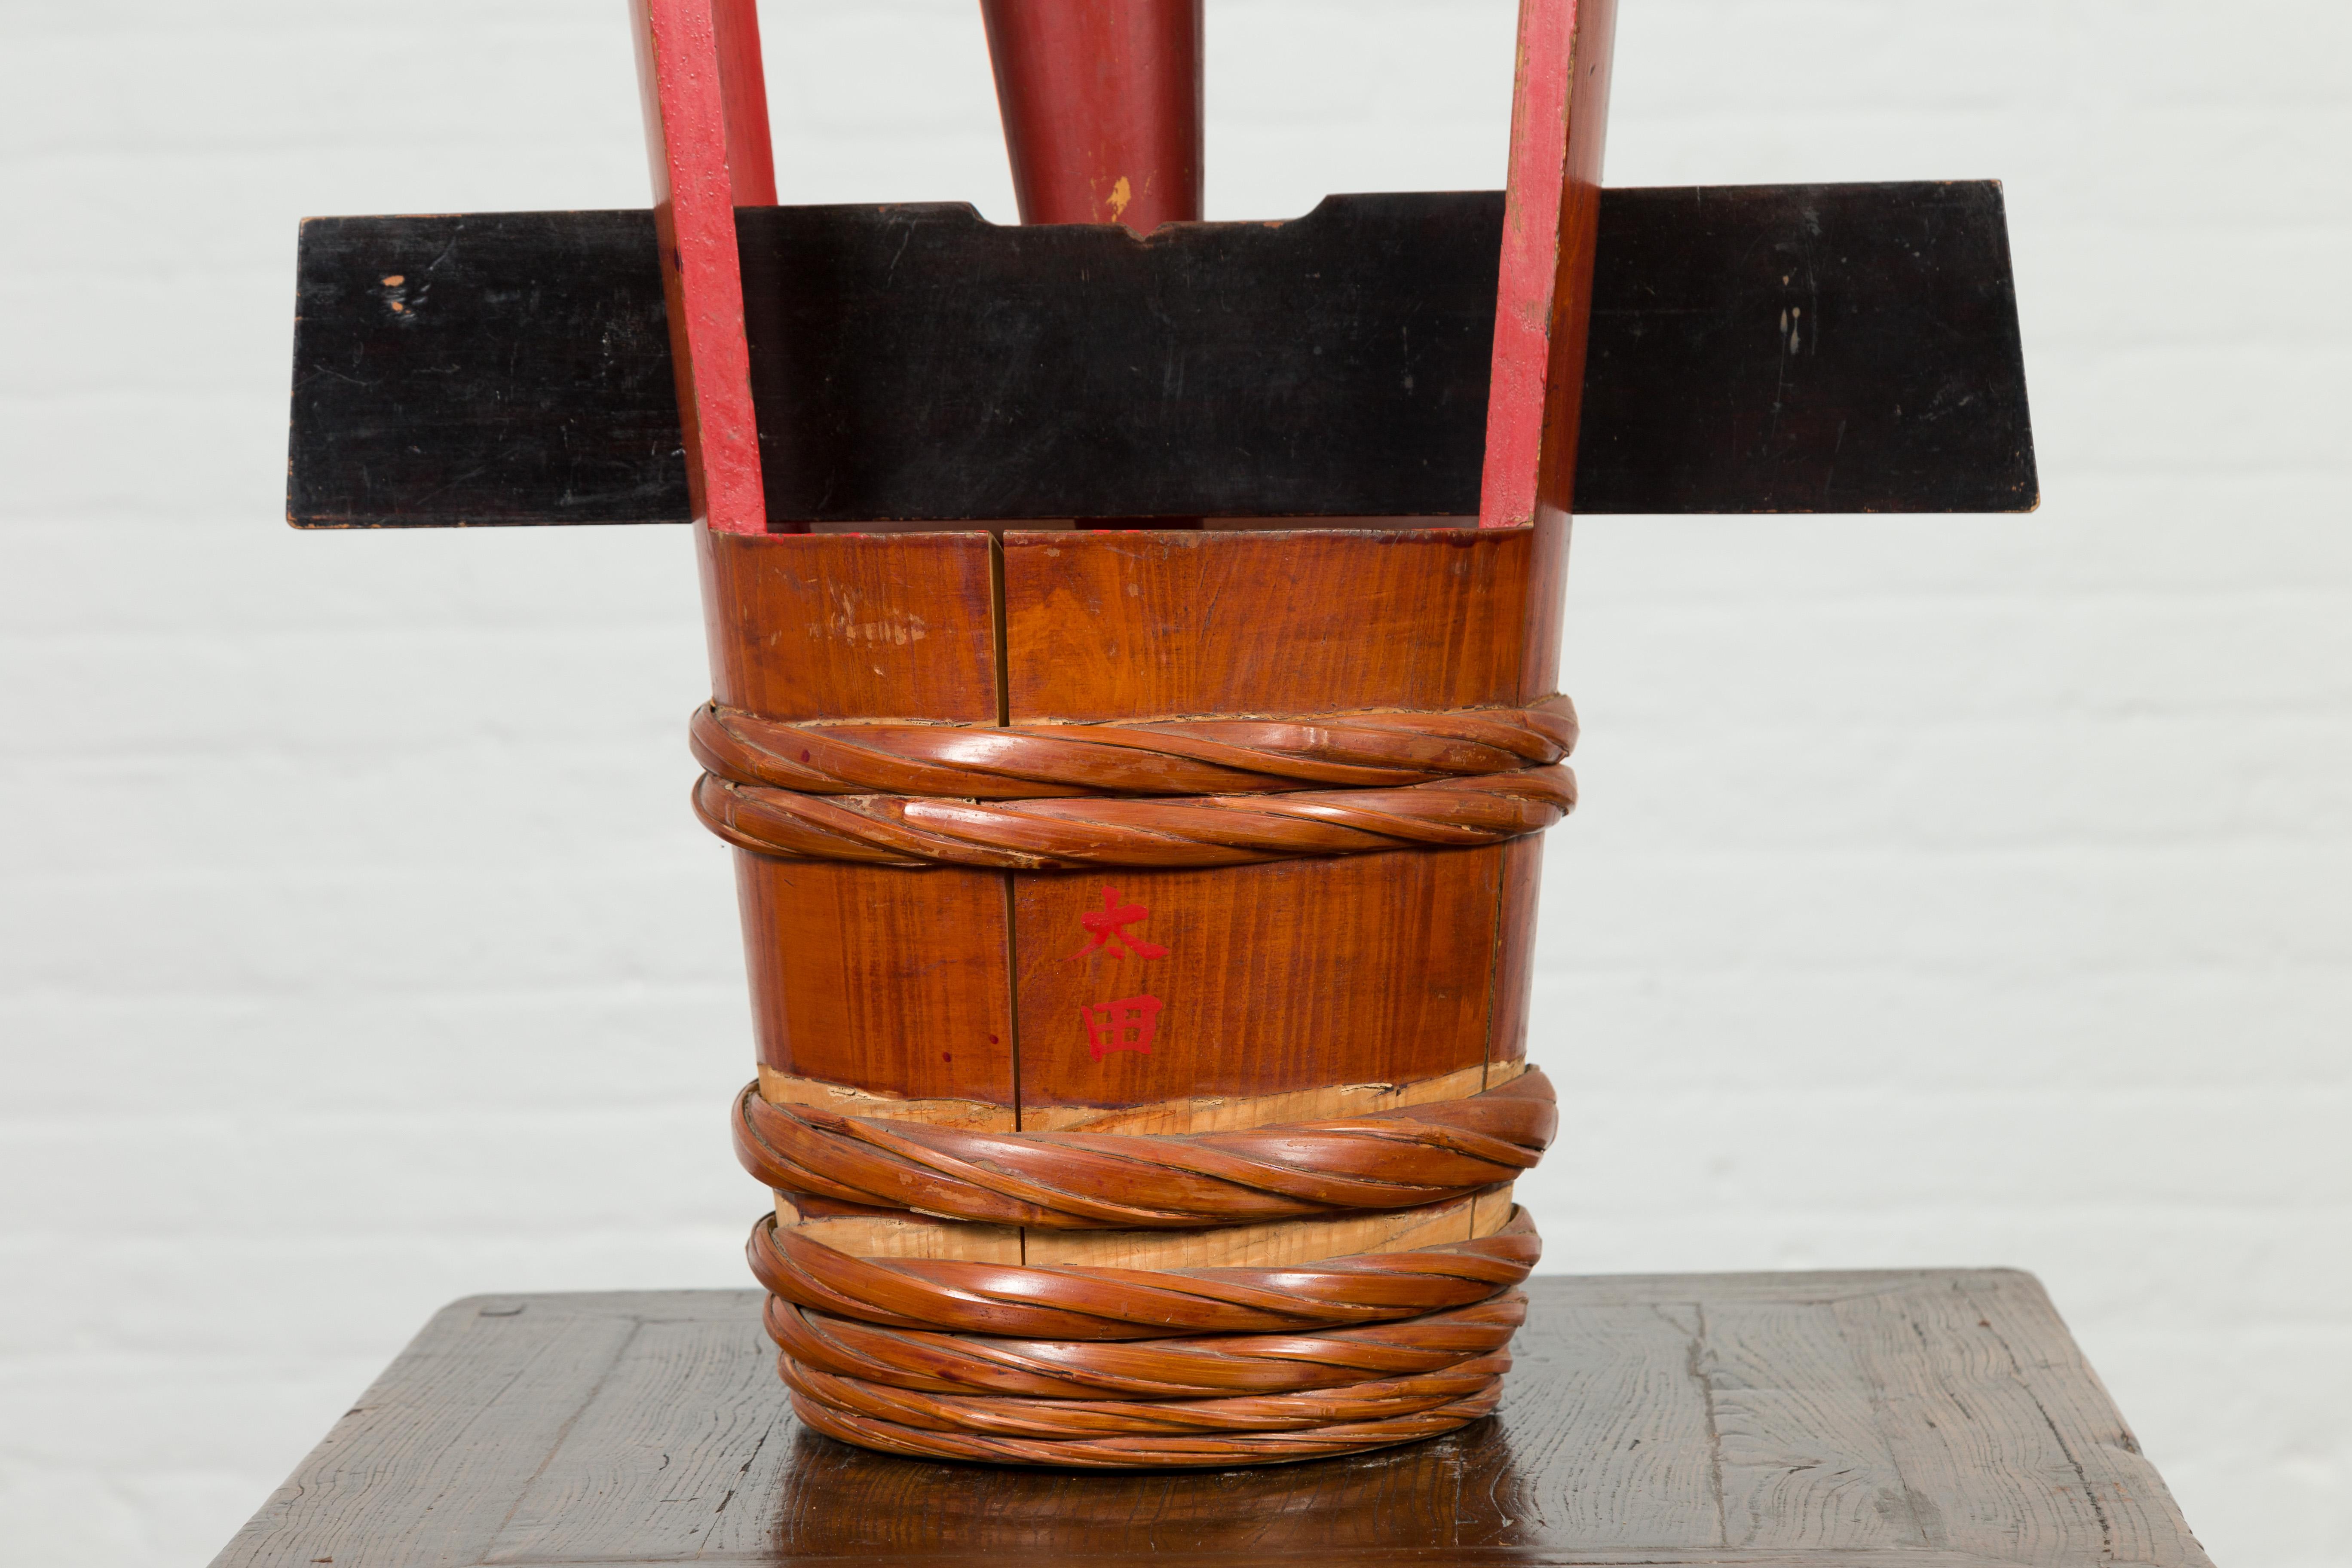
(852,626)
(1514,954)
(1299,974)
(1932,1419)
(1160,625)
(890,982)
(972,986)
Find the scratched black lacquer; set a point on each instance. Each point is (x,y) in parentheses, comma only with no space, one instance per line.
(1755,349)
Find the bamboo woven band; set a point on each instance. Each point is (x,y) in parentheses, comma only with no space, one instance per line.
(1017,1417)
(1122,1432)
(1091,1303)
(1166,757)
(1205,791)
(1073,1366)
(1111,1367)
(1221,1450)
(1202,1399)
(1197,1367)
(1397,1159)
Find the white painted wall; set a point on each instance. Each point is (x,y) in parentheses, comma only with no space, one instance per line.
(1947,891)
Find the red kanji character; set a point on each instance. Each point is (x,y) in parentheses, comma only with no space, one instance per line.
(1126,1024)
(1108,924)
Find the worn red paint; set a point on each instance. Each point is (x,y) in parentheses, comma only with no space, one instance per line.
(1559,104)
(1108,924)
(1101,106)
(1126,1024)
(705,108)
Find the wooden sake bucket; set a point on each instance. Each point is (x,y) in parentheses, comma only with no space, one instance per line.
(1069,863)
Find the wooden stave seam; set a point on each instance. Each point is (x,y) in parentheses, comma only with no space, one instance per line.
(880,1233)
(1468,1078)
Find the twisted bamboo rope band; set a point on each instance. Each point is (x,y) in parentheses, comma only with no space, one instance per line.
(1058,796)
(1126,1367)
(991,1389)
(1201,1366)
(1220,1451)
(1172,757)
(1095,1303)
(1068,834)
(1405,1158)
(1384,1399)
(1097,1367)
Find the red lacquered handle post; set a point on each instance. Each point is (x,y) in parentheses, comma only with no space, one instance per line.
(707,139)
(1543,303)
(1101,102)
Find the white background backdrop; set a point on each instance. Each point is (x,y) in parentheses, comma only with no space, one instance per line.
(1948,891)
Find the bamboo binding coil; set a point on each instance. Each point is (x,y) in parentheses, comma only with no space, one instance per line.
(1094,830)
(1183,1367)
(1404,1158)
(1175,756)
(1017,1417)
(1202,791)
(1024,1301)
(1121,1367)
(954,1358)
(1222,1451)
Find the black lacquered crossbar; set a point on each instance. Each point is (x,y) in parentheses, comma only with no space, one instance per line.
(1755,349)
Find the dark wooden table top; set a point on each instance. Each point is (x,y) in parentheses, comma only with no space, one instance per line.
(1938,1419)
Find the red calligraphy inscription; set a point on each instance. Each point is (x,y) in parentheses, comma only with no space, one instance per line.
(1108,924)
(1126,1024)
(1129,1022)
